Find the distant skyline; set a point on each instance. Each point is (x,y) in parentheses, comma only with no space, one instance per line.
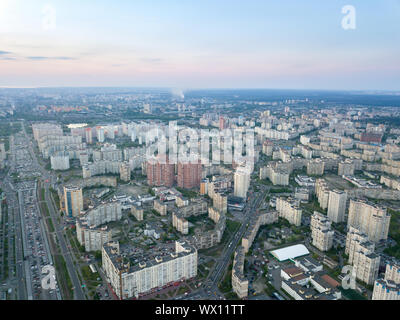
(200,44)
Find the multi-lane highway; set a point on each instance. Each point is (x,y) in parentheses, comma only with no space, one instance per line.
(210,289)
(16,281)
(223,261)
(48,180)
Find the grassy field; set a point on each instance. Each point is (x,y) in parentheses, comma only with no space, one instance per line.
(394,233)
(352,294)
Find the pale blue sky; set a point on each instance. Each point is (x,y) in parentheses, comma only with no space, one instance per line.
(219,43)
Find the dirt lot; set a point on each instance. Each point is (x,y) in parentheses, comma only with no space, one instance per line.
(338,182)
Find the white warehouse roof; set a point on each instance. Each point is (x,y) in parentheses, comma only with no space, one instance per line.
(291,252)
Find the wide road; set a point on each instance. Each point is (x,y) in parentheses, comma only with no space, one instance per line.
(223,261)
(13,205)
(78,292)
(211,284)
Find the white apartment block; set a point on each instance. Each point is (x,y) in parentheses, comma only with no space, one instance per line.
(362,256)
(51,143)
(100,168)
(180,223)
(322,192)
(346,167)
(59,161)
(241,182)
(354,239)
(45,129)
(104,213)
(389,287)
(92,239)
(386,290)
(337,205)
(315,167)
(392,272)
(125,171)
(240,284)
(321,233)
(370,219)
(132,279)
(289,210)
(275,175)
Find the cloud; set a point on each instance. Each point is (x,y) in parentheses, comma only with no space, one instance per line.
(4,52)
(37,58)
(8,58)
(64,58)
(40,58)
(152,60)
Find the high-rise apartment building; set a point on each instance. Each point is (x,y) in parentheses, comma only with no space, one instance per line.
(220,202)
(138,275)
(88,135)
(73,200)
(92,239)
(322,192)
(321,232)
(289,209)
(370,219)
(189,175)
(125,171)
(361,255)
(389,287)
(100,134)
(223,124)
(268,147)
(337,205)
(160,172)
(241,182)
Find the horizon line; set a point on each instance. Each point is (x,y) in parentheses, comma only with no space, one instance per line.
(198,88)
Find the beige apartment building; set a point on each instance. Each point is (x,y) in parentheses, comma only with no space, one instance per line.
(92,239)
(370,219)
(220,202)
(361,255)
(289,210)
(137,212)
(125,171)
(130,279)
(389,287)
(346,167)
(315,167)
(240,284)
(180,223)
(321,233)
(322,192)
(160,207)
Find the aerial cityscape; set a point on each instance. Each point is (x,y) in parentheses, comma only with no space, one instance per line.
(197,183)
